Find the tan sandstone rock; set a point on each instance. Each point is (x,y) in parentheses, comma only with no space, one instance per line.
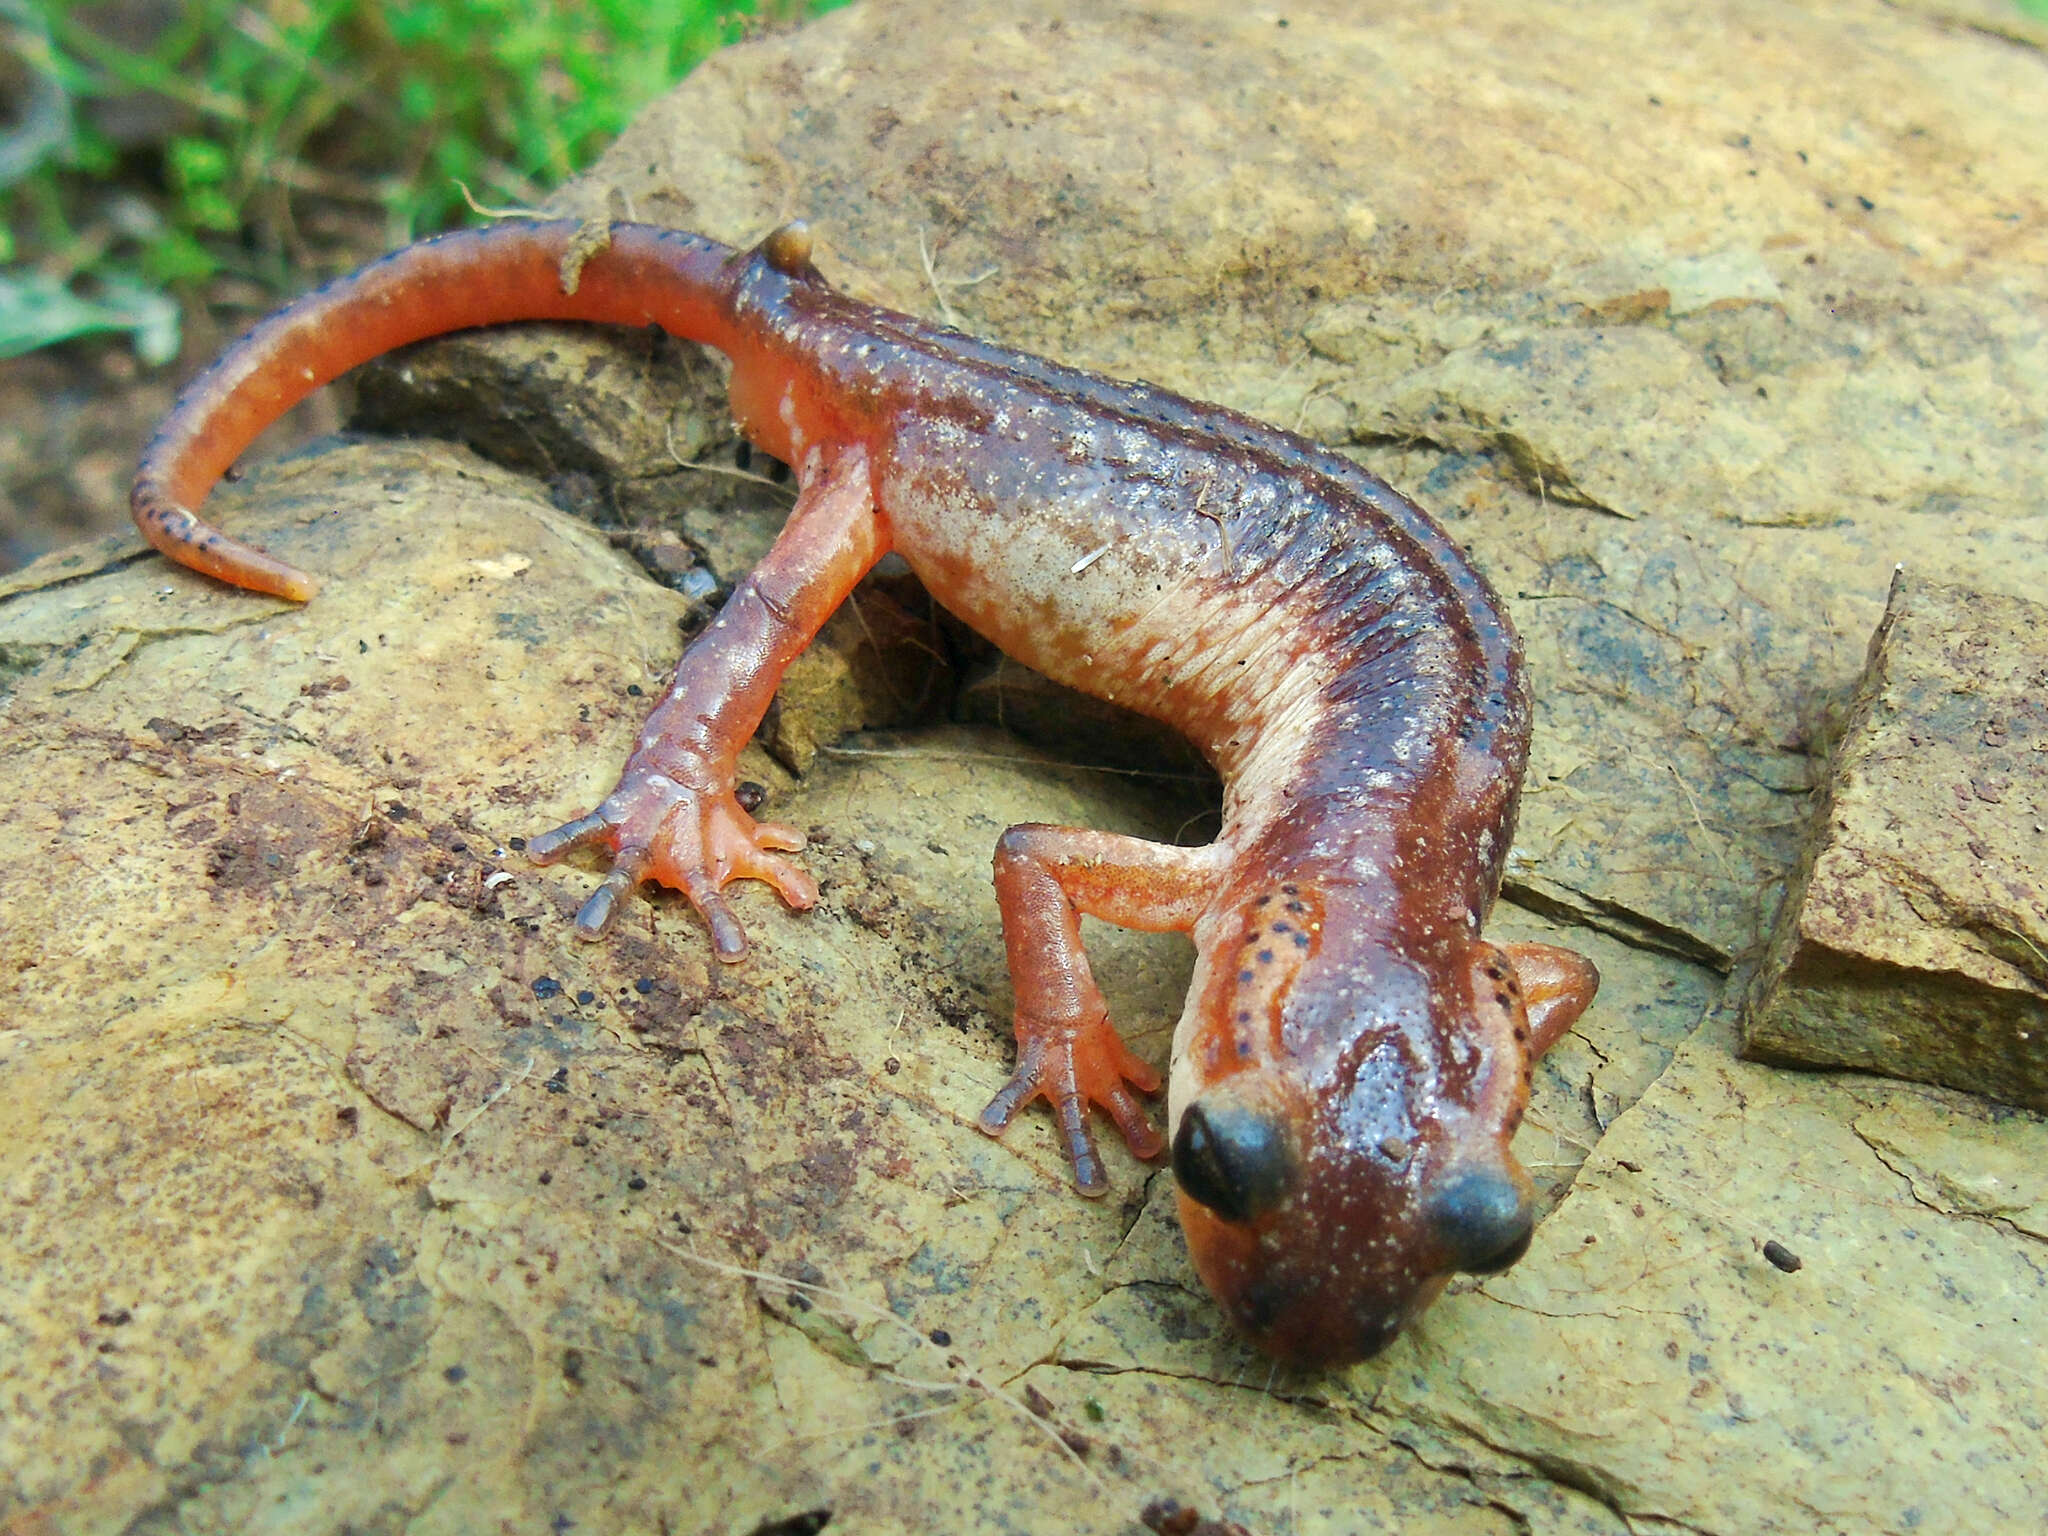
(1915,942)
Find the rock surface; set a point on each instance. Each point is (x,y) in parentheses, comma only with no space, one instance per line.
(1916,941)
(340,1188)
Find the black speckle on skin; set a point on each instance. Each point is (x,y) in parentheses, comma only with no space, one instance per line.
(1246,977)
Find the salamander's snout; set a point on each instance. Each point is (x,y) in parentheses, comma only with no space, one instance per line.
(1483,1218)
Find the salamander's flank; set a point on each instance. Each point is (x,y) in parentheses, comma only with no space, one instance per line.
(1354,1057)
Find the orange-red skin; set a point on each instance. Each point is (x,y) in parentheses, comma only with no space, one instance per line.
(1334,653)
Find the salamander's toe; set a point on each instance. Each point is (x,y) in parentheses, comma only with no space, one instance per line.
(551,846)
(596,914)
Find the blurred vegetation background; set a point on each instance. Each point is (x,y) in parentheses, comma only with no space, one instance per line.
(170,169)
(157,143)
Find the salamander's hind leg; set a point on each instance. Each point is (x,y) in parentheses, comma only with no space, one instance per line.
(673,817)
(1068,1053)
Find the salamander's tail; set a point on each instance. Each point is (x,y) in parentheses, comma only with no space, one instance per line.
(629,274)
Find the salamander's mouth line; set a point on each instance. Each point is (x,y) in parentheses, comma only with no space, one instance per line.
(1335,654)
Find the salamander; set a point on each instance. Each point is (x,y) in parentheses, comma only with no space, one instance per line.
(1354,1057)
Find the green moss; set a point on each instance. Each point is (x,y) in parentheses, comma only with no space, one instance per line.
(403,109)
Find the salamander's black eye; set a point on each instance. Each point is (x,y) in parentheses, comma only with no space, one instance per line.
(1484,1220)
(1231,1158)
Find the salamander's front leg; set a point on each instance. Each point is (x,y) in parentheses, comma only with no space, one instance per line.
(673,817)
(1068,1053)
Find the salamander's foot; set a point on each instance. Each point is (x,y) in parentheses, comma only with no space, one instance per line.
(691,838)
(1071,1067)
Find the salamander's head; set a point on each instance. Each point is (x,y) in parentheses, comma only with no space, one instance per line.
(1343,1146)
